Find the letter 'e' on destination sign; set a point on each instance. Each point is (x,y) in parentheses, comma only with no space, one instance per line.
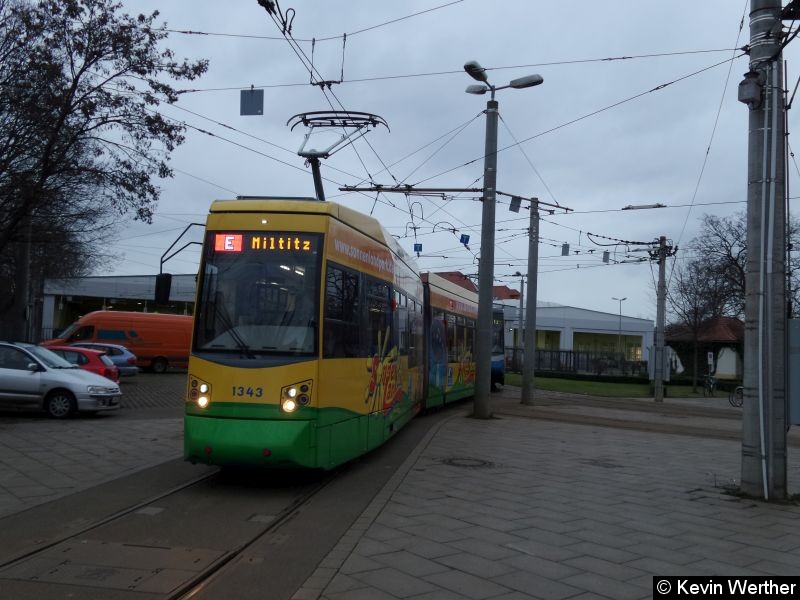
(228,242)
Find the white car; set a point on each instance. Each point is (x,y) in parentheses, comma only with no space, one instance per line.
(32,377)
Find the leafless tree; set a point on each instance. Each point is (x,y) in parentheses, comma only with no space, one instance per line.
(722,245)
(81,139)
(697,293)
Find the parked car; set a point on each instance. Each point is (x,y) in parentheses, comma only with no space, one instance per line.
(35,377)
(123,359)
(89,359)
(159,340)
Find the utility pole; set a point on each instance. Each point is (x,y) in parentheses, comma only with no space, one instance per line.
(661,303)
(521,320)
(619,329)
(529,357)
(483,354)
(764,412)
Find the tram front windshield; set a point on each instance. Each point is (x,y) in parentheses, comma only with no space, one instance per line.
(259,294)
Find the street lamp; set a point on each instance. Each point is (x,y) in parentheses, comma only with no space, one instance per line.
(483,358)
(619,333)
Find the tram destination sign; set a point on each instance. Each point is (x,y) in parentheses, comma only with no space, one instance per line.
(264,242)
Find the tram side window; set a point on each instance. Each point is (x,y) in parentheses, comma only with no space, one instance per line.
(342,313)
(471,337)
(403,325)
(461,345)
(414,333)
(453,339)
(378,318)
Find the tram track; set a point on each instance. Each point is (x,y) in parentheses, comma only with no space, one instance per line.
(240,533)
(203,580)
(105,520)
(98,555)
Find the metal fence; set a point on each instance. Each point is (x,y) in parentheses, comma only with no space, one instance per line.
(572,361)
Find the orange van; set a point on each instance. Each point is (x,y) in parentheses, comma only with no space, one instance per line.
(158,340)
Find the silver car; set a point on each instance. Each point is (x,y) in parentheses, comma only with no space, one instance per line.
(32,377)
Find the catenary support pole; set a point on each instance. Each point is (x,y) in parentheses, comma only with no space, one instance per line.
(483,367)
(521,328)
(764,410)
(661,303)
(529,360)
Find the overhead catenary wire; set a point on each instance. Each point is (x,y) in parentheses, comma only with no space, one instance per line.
(451,72)
(319,39)
(528,159)
(447,201)
(312,70)
(458,129)
(198,178)
(309,66)
(710,141)
(243,146)
(586,116)
(515,140)
(418,150)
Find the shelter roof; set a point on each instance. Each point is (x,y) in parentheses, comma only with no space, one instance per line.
(717,330)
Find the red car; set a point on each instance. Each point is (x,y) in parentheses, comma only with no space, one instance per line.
(95,361)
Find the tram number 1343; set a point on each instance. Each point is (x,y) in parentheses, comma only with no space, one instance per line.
(247,391)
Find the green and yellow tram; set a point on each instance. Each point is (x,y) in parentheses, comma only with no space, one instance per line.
(315,338)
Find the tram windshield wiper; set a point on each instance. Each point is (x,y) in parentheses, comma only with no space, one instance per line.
(241,345)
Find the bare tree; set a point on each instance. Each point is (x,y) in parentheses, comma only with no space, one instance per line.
(80,84)
(722,244)
(697,293)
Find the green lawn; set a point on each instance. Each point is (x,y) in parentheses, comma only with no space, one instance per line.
(601,388)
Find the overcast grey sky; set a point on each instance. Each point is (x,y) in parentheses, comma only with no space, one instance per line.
(648,150)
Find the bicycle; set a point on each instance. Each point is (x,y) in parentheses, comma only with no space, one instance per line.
(709,386)
(736,397)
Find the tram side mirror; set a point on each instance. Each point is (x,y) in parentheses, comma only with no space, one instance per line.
(163,287)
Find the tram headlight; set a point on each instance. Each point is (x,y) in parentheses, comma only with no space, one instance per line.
(199,392)
(295,396)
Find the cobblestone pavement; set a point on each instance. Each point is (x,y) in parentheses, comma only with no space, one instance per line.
(43,459)
(516,508)
(147,390)
(510,508)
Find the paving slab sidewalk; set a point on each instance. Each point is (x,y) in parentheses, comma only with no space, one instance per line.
(516,507)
